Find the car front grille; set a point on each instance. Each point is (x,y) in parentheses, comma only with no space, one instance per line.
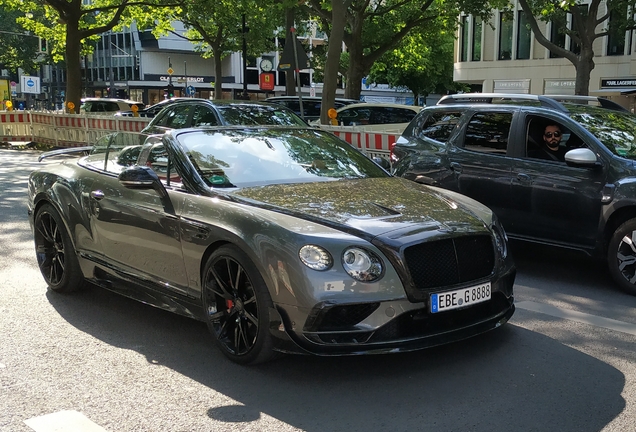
(450,261)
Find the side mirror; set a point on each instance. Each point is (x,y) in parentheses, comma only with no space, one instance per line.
(581,157)
(140,177)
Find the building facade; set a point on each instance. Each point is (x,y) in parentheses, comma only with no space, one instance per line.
(133,64)
(503,56)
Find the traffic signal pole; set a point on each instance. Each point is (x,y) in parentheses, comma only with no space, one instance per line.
(170,86)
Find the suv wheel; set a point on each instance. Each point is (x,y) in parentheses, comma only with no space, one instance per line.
(621,256)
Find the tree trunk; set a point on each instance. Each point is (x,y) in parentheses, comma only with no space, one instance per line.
(415,98)
(218,77)
(73,92)
(356,69)
(330,82)
(584,68)
(218,72)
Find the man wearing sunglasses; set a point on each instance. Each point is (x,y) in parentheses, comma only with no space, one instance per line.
(552,139)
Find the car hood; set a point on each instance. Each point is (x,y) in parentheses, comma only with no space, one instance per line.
(374,206)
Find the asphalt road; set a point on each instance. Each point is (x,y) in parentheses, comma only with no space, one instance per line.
(94,361)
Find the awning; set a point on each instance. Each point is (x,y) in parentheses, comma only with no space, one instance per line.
(615,91)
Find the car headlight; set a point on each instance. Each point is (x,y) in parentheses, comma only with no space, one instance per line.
(362,265)
(315,257)
(501,239)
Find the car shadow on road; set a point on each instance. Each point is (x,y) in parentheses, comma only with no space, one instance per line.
(509,379)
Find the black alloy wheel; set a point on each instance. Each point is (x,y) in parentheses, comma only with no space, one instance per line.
(236,302)
(621,256)
(55,253)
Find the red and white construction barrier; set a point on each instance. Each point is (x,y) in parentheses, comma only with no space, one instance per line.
(68,130)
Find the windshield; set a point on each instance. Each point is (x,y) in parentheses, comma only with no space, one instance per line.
(256,115)
(253,157)
(615,129)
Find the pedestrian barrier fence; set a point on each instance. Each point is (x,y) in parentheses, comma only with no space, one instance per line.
(71,130)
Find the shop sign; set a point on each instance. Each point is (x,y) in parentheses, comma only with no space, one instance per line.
(512,86)
(623,82)
(559,87)
(266,81)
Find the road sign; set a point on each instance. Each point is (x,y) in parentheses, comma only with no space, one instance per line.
(170,71)
(30,84)
(190,90)
(288,57)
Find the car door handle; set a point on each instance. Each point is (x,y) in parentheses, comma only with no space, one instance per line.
(524,178)
(455,166)
(97,194)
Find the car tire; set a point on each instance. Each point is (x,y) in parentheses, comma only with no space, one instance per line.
(55,252)
(621,256)
(236,303)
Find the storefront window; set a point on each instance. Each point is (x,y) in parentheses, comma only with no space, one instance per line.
(477,29)
(505,35)
(557,35)
(524,36)
(616,37)
(465,28)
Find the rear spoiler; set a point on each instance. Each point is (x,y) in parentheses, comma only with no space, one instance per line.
(66,151)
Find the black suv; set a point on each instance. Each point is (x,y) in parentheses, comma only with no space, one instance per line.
(192,112)
(311,105)
(487,146)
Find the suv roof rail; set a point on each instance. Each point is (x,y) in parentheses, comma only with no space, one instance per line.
(489,98)
(601,101)
(550,101)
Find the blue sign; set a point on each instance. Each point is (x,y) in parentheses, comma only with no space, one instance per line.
(190,90)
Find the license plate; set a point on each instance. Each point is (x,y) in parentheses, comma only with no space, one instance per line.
(450,300)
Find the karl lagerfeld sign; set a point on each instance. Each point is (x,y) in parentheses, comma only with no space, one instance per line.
(626,82)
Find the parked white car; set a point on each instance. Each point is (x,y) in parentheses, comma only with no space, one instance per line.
(383,117)
(107,106)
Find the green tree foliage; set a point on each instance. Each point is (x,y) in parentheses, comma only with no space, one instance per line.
(18,49)
(590,22)
(423,63)
(372,28)
(69,24)
(215,27)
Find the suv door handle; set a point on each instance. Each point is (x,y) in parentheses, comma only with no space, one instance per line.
(456,166)
(524,178)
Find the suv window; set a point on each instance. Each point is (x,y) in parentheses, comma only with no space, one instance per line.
(175,117)
(385,115)
(354,116)
(488,132)
(438,125)
(311,108)
(204,116)
(537,143)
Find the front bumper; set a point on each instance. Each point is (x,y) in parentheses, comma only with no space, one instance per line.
(413,329)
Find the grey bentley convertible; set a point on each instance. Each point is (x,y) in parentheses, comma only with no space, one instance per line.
(282,239)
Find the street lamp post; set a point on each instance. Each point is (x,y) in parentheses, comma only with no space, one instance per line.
(245,30)
(111,92)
